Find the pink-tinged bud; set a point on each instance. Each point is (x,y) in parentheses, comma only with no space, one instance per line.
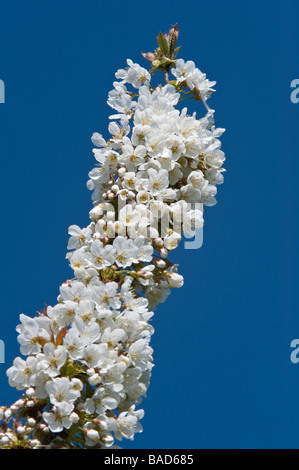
(115,188)
(30,392)
(4,440)
(122,171)
(96,212)
(94,379)
(131,195)
(31,421)
(149,56)
(160,263)
(174,279)
(93,435)
(7,413)
(21,430)
(34,442)
(108,440)
(158,242)
(20,403)
(74,417)
(144,274)
(163,252)
(101,423)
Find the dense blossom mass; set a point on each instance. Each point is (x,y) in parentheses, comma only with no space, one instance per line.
(88,359)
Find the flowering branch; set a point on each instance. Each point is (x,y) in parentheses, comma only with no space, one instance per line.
(88,358)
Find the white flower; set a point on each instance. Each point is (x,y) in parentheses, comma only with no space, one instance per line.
(52,359)
(78,260)
(22,374)
(140,353)
(28,337)
(197,179)
(158,180)
(129,216)
(61,390)
(157,294)
(134,74)
(132,157)
(74,291)
(98,140)
(105,295)
(60,417)
(127,424)
(78,236)
(100,255)
(193,77)
(73,344)
(126,252)
(130,181)
(95,355)
(89,333)
(145,249)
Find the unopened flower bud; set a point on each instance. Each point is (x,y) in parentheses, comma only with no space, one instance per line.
(31,421)
(160,263)
(149,56)
(131,195)
(107,440)
(159,242)
(30,392)
(34,442)
(7,413)
(110,215)
(163,252)
(94,379)
(20,403)
(144,274)
(4,440)
(74,417)
(101,423)
(21,430)
(96,212)
(115,188)
(122,171)
(174,279)
(93,435)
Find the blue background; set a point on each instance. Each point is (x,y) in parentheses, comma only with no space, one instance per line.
(223,376)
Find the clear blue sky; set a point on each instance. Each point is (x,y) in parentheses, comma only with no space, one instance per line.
(223,376)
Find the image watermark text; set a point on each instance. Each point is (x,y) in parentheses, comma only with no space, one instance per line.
(295,92)
(2,91)
(2,352)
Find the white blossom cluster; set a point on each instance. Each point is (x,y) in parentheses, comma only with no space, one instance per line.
(89,358)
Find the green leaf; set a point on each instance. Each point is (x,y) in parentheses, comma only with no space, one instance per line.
(176,51)
(163,43)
